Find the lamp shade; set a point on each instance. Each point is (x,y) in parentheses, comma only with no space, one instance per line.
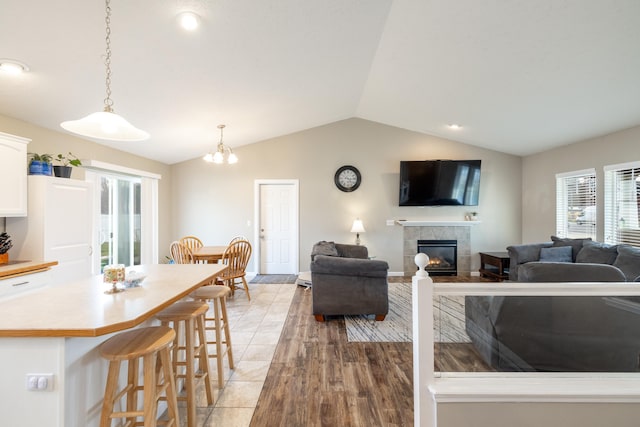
(357,226)
(105,125)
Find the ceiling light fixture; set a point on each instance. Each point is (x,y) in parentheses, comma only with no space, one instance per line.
(454,126)
(218,156)
(106,124)
(189,20)
(13,67)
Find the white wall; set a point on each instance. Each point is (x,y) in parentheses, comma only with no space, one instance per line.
(541,414)
(215,202)
(539,185)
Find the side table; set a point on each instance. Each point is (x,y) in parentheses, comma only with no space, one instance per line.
(494,265)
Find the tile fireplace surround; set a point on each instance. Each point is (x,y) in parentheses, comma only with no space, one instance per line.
(437,230)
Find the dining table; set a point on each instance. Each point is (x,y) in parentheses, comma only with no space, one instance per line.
(209,254)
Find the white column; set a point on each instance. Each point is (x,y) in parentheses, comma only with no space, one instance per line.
(424,407)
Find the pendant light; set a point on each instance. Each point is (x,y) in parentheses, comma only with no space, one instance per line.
(106,124)
(221,150)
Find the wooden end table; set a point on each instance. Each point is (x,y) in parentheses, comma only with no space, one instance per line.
(494,265)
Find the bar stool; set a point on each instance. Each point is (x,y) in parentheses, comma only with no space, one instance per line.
(188,318)
(151,345)
(217,295)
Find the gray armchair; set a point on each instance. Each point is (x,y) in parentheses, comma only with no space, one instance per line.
(345,281)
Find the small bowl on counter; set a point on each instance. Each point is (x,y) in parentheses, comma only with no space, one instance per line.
(133,279)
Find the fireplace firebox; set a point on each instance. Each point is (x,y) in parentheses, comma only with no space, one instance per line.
(443,256)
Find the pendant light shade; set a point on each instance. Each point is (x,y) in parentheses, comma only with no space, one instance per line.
(106,124)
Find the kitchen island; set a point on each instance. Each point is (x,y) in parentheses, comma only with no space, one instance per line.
(56,330)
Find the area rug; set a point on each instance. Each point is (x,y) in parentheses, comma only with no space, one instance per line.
(274,278)
(398,325)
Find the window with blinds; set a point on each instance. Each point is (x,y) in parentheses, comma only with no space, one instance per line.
(621,204)
(576,204)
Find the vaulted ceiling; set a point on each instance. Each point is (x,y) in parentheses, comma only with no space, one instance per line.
(520,76)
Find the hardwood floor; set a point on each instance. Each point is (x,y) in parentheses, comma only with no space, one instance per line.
(318,378)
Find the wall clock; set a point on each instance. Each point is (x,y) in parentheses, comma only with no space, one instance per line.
(347,178)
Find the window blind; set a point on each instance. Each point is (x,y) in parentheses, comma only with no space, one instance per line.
(622,189)
(576,204)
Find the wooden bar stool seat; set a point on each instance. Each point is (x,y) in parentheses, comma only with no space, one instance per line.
(217,322)
(152,346)
(188,320)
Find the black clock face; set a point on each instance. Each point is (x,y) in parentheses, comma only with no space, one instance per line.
(347,178)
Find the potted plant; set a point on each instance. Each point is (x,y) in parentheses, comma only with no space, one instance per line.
(66,163)
(5,245)
(40,164)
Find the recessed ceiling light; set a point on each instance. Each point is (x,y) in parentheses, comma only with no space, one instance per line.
(189,20)
(11,66)
(454,126)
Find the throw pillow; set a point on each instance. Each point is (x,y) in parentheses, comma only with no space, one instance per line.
(325,248)
(599,253)
(628,261)
(576,244)
(558,254)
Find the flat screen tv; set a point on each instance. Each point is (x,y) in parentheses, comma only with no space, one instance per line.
(439,183)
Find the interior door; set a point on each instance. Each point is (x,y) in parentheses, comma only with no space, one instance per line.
(278,227)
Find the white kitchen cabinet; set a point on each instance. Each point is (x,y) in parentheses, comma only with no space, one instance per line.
(58,227)
(13,175)
(20,285)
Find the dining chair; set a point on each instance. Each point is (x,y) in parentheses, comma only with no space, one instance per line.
(192,242)
(180,253)
(236,257)
(235,239)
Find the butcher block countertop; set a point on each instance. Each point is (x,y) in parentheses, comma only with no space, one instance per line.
(82,309)
(19,268)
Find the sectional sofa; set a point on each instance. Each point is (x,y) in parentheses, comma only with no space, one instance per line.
(561,333)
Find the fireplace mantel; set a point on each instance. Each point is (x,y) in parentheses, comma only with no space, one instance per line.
(436,223)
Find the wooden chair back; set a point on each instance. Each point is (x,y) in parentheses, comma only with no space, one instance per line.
(236,257)
(192,242)
(180,253)
(235,239)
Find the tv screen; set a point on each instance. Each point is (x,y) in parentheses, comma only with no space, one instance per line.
(439,183)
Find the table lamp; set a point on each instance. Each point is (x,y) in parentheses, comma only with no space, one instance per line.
(357,228)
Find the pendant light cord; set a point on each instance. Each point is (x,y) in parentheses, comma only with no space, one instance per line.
(108,102)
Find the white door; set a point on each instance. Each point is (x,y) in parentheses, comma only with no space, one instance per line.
(68,228)
(58,226)
(277,226)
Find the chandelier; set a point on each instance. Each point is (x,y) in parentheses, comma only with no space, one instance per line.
(106,124)
(221,151)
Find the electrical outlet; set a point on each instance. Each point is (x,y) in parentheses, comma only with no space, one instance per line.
(40,382)
(391,222)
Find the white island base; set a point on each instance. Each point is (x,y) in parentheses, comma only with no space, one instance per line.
(57,330)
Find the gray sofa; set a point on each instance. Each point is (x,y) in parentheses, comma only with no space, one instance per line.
(561,333)
(345,281)
(573,260)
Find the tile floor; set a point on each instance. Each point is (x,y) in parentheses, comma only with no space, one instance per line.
(255,328)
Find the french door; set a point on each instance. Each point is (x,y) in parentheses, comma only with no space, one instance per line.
(120,233)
